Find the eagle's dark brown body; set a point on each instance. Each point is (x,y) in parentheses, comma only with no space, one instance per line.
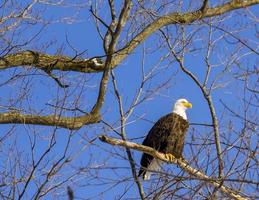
(166,136)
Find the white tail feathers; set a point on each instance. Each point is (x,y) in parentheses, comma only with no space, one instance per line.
(155,165)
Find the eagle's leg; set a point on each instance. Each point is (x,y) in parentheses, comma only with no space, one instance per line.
(170,157)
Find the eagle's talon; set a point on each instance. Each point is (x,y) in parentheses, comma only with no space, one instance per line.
(181,158)
(169,157)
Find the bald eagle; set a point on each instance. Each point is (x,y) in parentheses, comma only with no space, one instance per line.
(166,136)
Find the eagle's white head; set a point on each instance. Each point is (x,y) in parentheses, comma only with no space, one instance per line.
(180,107)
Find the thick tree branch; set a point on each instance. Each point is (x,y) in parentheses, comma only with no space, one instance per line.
(181,163)
(179,18)
(51,62)
(72,123)
(31,58)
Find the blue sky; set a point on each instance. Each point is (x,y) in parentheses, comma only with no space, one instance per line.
(82,36)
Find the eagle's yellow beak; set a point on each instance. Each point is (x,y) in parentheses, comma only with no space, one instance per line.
(187,104)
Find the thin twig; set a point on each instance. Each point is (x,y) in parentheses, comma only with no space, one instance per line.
(123,135)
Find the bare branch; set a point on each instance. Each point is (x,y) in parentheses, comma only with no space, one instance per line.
(112,10)
(65,63)
(179,18)
(112,48)
(181,163)
(124,138)
(50,62)
(70,193)
(207,97)
(55,158)
(50,120)
(205,5)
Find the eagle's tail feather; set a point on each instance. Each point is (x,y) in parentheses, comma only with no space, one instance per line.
(155,165)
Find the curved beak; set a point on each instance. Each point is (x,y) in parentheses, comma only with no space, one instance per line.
(187,105)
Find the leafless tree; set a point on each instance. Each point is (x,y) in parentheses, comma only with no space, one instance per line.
(72,118)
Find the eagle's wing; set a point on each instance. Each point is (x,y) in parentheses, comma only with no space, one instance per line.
(157,138)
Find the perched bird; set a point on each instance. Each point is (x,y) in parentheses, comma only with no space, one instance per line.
(166,136)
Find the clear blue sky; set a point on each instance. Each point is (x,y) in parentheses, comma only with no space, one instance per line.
(82,36)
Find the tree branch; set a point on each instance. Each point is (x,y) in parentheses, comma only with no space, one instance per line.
(181,163)
(204,6)
(208,98)
(65,63)
(124,138)
(110,53)
(48,62)
(179,18)
(72,123)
